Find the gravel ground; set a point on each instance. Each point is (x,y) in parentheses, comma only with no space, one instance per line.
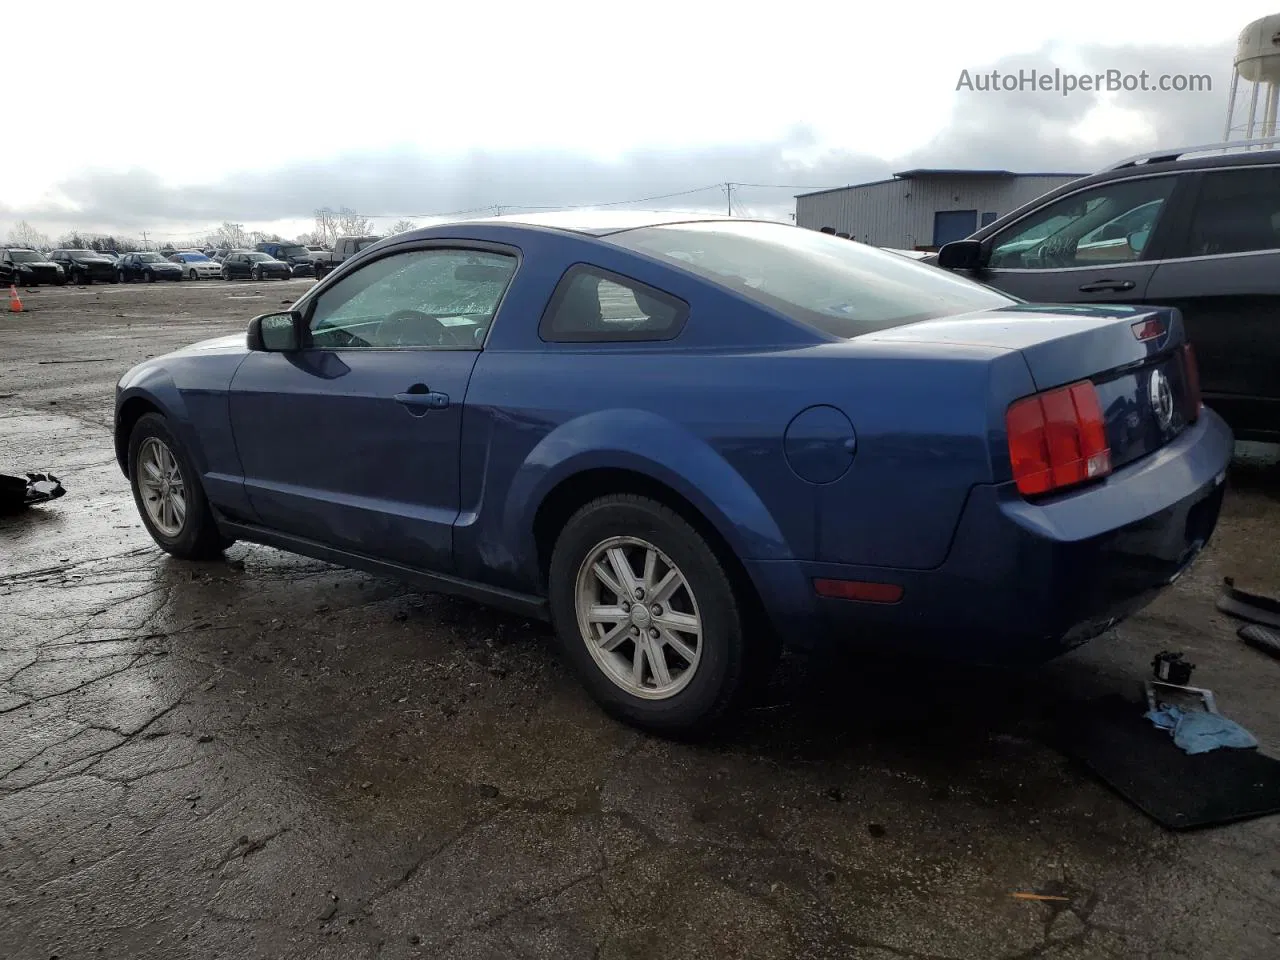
(270,757)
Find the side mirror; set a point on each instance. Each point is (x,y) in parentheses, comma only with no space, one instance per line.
(962,255)
(276,332)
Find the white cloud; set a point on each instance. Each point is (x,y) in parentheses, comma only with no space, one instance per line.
(189,113)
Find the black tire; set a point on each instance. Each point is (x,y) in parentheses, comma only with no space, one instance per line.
(148,276)
(731,663)
(120,277)
(199,538)
(61,281)
(255,274)
(192,276)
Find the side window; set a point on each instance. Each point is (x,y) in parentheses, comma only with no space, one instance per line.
(591,305)
(1238,211)
(419,298)
(1108,224)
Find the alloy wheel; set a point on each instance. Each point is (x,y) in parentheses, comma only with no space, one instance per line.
(163,489)
(638,617)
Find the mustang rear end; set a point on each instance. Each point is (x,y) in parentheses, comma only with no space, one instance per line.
(1108,480)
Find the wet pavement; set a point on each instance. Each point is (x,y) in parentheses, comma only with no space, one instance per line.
(269,757)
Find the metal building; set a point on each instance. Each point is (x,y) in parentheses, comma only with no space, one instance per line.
(923,209)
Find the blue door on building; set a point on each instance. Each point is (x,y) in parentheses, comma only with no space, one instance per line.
(951,225)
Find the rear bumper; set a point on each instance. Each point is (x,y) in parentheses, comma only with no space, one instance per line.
(1027,582)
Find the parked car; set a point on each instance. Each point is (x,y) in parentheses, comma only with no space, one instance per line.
(684,441)
(344,248)
(1176,228)
(84,266)
(27,268)
(148,266)
(196,266)
(295,255)
(252,264)
(111,255)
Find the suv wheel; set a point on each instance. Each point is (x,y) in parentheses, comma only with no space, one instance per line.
(167,491)
(649,619)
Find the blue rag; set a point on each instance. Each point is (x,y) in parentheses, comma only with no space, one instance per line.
(1199,731)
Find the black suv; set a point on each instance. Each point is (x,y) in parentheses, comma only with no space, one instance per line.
(84,266)
(1175,228)
(27,267)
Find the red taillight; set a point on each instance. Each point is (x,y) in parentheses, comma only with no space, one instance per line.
(1146,330)
(1194,400)
(1058,439)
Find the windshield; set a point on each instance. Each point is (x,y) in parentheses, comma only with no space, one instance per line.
(81,253)
(259,257)
(193,257)
(367,243)
(25,256)
(293,251)
(150,258)
(842,287)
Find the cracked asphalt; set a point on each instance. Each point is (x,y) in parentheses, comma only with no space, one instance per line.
(270,757)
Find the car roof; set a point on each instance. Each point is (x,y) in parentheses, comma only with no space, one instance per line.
(597,223)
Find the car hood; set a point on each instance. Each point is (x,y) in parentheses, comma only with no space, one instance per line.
(35,263)
(93,260)
(232,342)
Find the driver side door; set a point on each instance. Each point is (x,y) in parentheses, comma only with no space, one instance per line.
(353,440)
(1095,246)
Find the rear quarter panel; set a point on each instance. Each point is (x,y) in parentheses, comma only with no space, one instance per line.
(707,415)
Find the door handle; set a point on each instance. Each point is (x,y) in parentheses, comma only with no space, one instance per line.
(1098,286)
(418,400)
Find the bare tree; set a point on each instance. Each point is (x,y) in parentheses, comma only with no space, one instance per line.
(352,224)
(326,226)
(24,234)
(229,236)
(403,226)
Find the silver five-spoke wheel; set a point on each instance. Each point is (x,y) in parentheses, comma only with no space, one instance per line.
(163,490)
(638,617)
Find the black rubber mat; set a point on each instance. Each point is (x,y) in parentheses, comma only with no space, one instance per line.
(1177,790)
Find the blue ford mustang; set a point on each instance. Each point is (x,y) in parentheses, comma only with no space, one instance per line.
(686,442)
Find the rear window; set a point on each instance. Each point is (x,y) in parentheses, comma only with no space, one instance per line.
(841,287)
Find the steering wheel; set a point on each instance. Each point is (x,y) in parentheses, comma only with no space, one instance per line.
(400,316)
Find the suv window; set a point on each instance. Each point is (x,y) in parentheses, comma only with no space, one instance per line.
(1110,223)
(1238,211)
(591,305)
(419,298)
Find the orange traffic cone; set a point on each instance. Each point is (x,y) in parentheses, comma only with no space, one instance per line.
(15,304)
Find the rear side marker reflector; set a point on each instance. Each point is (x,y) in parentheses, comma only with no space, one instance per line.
(1058,439)
(863,590)
(1146,330)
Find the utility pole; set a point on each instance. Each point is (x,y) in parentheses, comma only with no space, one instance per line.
(144,240)
(728,192)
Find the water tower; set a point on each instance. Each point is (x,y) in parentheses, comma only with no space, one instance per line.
(1257,68)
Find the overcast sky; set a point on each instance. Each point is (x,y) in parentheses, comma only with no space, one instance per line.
(170,118)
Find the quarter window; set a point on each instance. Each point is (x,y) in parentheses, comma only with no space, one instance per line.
(1108,224)
(591,305)
(443,298)
(1238,211)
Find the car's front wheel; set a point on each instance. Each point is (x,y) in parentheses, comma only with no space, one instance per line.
(192,276)
(648,616)
(168,494)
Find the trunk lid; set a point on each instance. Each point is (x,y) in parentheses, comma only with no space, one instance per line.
(1134,356)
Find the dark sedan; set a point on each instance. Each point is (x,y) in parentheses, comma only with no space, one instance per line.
(27,268)
(251,264)
(147,266)
(84,266)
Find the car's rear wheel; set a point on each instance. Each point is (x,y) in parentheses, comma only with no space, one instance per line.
(648,616)
(168,494)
